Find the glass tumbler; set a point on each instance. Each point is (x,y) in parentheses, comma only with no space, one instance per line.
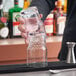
(37,51)
(36,38)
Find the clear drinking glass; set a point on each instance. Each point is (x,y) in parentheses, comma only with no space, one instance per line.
(37,51)
(36,38)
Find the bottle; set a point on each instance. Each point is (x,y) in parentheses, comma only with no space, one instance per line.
(26,4)
(65,10)
(60,19)
(49,24)
(3,23)
(65,7)
(12,23)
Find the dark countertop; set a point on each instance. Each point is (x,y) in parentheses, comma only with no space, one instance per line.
(22,68)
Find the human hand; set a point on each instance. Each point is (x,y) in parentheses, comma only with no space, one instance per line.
(21,27)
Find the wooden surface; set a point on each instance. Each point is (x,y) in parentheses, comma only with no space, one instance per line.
(14,50)
(15,41)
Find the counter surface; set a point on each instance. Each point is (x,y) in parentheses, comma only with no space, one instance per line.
(21,40)
(41,73)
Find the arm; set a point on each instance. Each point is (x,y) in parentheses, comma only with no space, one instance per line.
(44,6)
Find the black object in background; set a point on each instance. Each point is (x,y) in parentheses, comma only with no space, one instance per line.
(0,2)
(24,68)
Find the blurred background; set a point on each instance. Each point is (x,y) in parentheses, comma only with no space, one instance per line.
(54,23)
(12,45)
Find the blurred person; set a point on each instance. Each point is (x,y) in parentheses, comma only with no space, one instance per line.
(44,8)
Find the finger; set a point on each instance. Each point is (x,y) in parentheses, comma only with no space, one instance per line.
(22,28)
(24,35)
(21,20)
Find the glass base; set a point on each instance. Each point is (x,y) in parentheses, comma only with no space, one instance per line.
(37,65)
